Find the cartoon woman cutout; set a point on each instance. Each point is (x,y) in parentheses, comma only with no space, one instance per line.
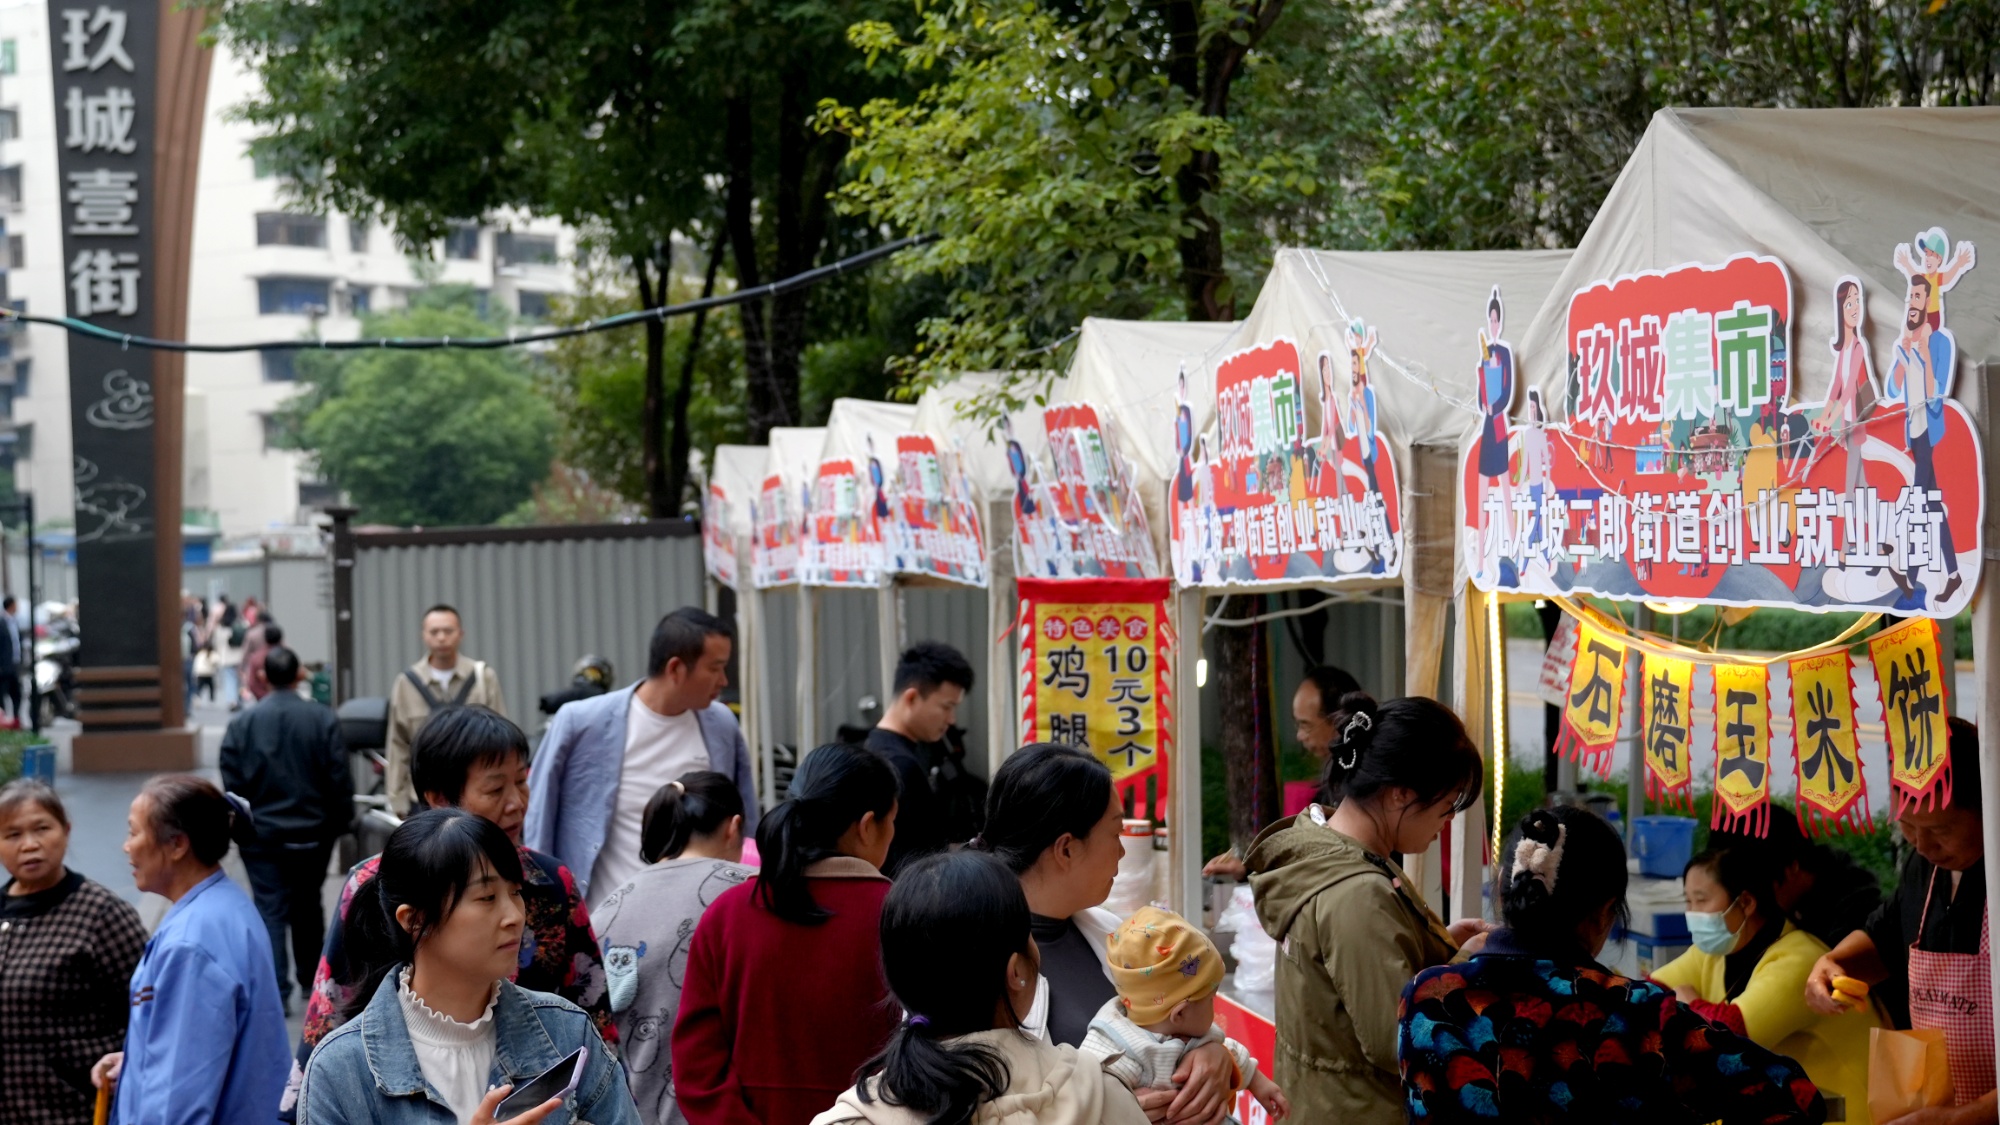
(1332,432)
(1536,466)
(1297,474)
(1017,462)
(1360,421)
(1853,392)
(1183,442)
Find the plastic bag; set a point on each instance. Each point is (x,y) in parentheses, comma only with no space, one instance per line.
(1907,1071)
(1256,954)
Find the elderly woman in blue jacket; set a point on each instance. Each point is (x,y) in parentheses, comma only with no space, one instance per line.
(441,1034)
(207,1037)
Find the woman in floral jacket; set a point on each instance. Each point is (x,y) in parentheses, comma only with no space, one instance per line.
(1531,1029)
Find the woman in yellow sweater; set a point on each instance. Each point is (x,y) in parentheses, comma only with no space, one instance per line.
(1747,971)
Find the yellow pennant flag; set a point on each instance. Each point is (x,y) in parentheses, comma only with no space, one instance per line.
(1742,749)
(1825,751)
(1595,701)
(1909,671)
(1667,699)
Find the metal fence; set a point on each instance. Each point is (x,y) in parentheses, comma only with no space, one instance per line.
(533,600)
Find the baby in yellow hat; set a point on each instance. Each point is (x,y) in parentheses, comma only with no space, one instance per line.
(1167,973)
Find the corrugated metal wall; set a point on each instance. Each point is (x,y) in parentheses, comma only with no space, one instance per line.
(956,615)
(530,608)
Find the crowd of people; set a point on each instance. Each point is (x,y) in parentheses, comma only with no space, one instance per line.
(596,911)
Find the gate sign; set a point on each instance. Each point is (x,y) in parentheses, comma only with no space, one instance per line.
(937,530)
(1096,673)
(774,552)
(1677,467)
(1084,519)
(1282,491)
(849,514)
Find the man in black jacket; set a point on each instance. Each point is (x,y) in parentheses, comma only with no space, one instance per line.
(931,681)
(284,756)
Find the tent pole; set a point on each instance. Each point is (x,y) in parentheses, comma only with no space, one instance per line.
(808,671)
(889,630)
(1985,649)
(1184,848)
(1471,681)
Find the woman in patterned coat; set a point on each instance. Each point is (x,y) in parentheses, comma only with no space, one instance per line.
(67,950)
(1531,1029)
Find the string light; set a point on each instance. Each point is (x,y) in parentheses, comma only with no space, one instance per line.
(1497,637)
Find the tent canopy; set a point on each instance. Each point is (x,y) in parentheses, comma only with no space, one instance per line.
(945,411)
(853,422)
(1427,308)
(1829,192)
(739,473)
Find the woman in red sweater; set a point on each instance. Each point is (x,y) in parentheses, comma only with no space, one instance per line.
(784,997)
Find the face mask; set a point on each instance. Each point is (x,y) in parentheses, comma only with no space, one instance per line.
(1711,933)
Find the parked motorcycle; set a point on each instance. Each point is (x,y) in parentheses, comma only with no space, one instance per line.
(56,644)
(364,728)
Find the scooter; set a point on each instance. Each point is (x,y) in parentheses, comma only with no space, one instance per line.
(55,671)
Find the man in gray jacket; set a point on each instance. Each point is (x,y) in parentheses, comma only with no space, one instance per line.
(604,758)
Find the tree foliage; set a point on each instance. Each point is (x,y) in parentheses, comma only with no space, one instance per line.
(436,438)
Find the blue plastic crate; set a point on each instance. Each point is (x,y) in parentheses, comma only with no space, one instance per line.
(1663,844)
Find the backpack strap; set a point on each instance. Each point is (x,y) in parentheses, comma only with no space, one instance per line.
(423,689)
(465,689)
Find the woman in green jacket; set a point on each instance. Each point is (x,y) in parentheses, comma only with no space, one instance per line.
(1352,928)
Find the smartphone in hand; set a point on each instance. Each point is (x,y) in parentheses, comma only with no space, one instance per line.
(558,1081)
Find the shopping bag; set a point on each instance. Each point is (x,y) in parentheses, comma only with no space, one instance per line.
(1907,1071)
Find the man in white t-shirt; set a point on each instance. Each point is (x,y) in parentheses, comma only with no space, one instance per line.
(603,758)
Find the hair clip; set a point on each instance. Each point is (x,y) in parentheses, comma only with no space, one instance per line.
(1540,860)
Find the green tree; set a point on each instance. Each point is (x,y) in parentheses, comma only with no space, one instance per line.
(434,438)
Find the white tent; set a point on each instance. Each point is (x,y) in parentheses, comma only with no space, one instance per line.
(858,431)
(949,412)
(733,481)
(1427,309)
(792,456)
(1830,193)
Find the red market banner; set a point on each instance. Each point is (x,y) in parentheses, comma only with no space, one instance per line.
(1097,672)
(1667,704)
(1290,485)
(1079,515)
(780,520)
(1675,465)
(718,543)
(1742,749)
(849,513)
(1826,750)
(1908,670)
(937,530)
(1594,706)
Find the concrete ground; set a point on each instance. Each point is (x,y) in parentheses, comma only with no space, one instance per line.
(98,803)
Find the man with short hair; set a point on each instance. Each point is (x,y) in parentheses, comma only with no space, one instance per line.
(285,757)
(444,676)
(604,758)
(931,681)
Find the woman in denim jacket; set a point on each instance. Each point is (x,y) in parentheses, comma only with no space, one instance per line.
(440,1034)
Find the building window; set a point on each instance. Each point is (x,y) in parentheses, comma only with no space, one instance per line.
(524,249)
(17,253)
(280,366)
(7,56)
(359,300)
(534,306)
(462,243)
(274,431)
(10,185)
(281,228)
(357,235)
(317,494)
(299,296)
(10,124)
(21,368)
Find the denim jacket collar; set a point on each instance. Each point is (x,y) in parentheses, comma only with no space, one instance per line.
(522,1049)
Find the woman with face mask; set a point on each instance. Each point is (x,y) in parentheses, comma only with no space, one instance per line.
(1747,971)
(1353,927)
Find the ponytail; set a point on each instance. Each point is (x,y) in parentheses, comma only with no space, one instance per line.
(1568,865)
(834,787)
(428,863)
(698,803)
(1413,743)
(971,904)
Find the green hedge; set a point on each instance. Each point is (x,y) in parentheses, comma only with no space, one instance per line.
(12,742)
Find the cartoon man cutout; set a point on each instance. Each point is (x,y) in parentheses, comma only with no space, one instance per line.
(1496,398)
(1920,378)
